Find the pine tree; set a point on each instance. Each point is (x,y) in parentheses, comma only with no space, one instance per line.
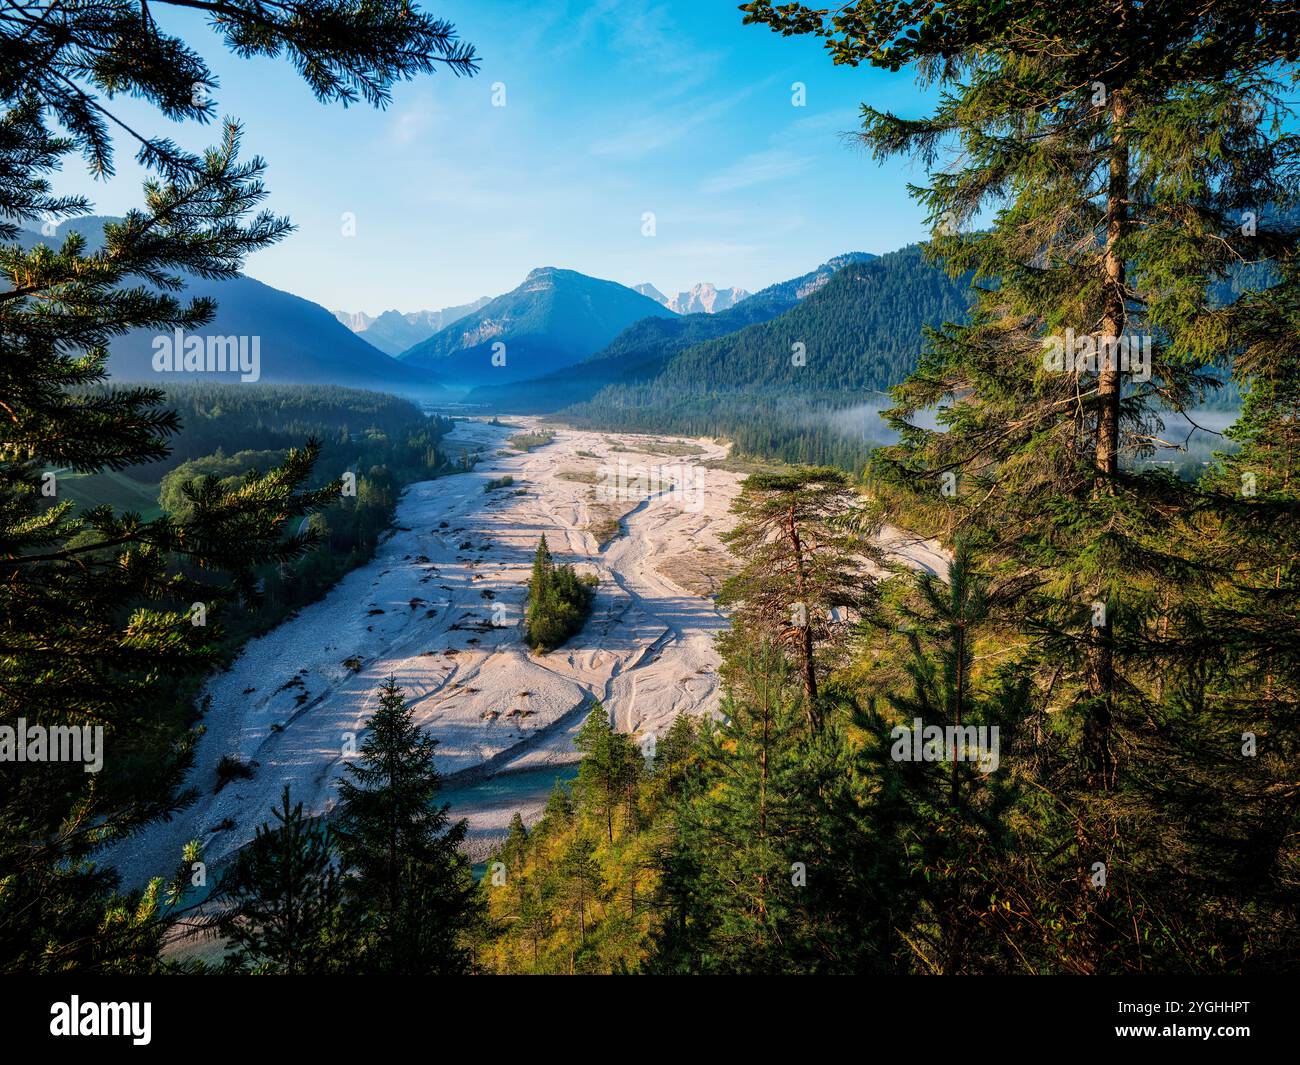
(95,607)
(284,899)
(801,573)
(409,885)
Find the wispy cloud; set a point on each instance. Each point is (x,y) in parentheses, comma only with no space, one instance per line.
(793,151)
(414,122)
(646,37)
(757,168)
(657,131)
(840,120)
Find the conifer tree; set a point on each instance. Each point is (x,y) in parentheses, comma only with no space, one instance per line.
(1126,161)
(539,584)
(515,848)
(409,885)
(95,606)
(582,880)
(558,601)
(1233,685)
(558,811)
(949,614)
(534,924)
(741,830)
(675,752)
(947,816)
(284,900)
(609,769)
(1131,155)
(801,575)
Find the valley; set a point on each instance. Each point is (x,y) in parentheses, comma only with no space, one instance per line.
(440,608)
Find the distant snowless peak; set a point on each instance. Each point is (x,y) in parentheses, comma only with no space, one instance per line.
(703,298)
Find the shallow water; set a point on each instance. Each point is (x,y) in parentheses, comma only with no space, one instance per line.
(523,789)
(526,792)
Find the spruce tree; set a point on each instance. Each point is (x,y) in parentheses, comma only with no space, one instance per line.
(539,585)
(949,614)
(282,900)
(740,831)
(1106,174)
(558,601)
(1131,156)
(409,886)
(1233,692)
(943,823)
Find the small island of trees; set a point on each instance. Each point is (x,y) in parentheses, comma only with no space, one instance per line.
(559,601)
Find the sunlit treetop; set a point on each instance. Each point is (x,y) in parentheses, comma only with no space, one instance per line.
(942,36)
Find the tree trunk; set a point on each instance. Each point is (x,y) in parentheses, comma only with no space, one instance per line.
(1114,313)
(806,640)
(958,695)
(1100,657)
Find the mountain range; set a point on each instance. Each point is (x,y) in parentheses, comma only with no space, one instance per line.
(703,298)
(769,385)
(643,350)
(860,328)
(554,319)
(298,341)
(562,338)
(393,332)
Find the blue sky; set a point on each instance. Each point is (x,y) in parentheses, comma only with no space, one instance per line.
(612,110)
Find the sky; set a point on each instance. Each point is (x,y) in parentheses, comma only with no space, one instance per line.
(613,112)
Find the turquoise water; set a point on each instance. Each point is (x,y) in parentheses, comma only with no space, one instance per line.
(510,790)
